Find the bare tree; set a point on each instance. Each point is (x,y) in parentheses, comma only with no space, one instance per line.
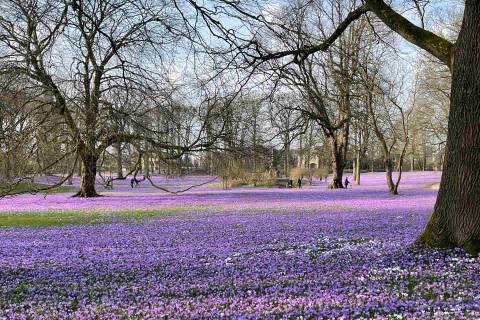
(287,121)
(456,217)
(361,139)
(324,83)
(81,54)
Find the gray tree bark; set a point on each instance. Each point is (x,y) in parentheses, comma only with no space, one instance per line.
(456,217)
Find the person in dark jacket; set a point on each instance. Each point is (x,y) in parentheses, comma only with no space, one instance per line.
(299,183)
(346,183)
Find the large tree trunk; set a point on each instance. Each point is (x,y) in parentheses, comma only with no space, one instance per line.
(286,159)
(337,167)
(337,149)
(118,146)
(456,217)
(358,163)
(424,159)
(146,164)
(89,174)
(389,174)
(372,162)
(354,168)
(70,177)
(159,164)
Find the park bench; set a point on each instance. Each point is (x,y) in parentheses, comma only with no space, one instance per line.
(282,182)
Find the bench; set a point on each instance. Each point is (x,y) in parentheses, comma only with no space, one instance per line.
(282,182)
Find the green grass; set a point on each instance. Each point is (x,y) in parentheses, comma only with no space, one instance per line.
(64,218)
(33,188)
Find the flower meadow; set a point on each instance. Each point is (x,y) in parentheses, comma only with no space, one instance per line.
(242,254)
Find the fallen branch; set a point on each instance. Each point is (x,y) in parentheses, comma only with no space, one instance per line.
(179,191)
(9,192)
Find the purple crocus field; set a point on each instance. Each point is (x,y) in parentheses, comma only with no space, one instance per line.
(242,253)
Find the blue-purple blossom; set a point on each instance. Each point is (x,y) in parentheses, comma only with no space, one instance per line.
(253,253)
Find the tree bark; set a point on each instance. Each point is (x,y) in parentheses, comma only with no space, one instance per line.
(455,221)
(118,146)
(372,161)
(70,177)
(89,174)
(400,164)
(358,167)
(146,164)
(354,168)
(338,150)
(424,160)
(357,162)
(70,180)
(286,164)
(389,173)
(337,167)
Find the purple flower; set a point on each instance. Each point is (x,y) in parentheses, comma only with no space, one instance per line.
(253,253)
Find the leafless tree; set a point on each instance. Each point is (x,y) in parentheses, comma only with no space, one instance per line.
(82,55)
(456,217)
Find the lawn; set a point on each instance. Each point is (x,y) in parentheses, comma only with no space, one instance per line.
(242,253)
(31,219)
(33,188)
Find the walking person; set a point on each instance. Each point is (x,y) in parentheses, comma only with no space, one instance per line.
(346,183)
(299,183)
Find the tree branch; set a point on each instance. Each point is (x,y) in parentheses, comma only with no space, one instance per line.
(301,53)
(430,42)
(438,46)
